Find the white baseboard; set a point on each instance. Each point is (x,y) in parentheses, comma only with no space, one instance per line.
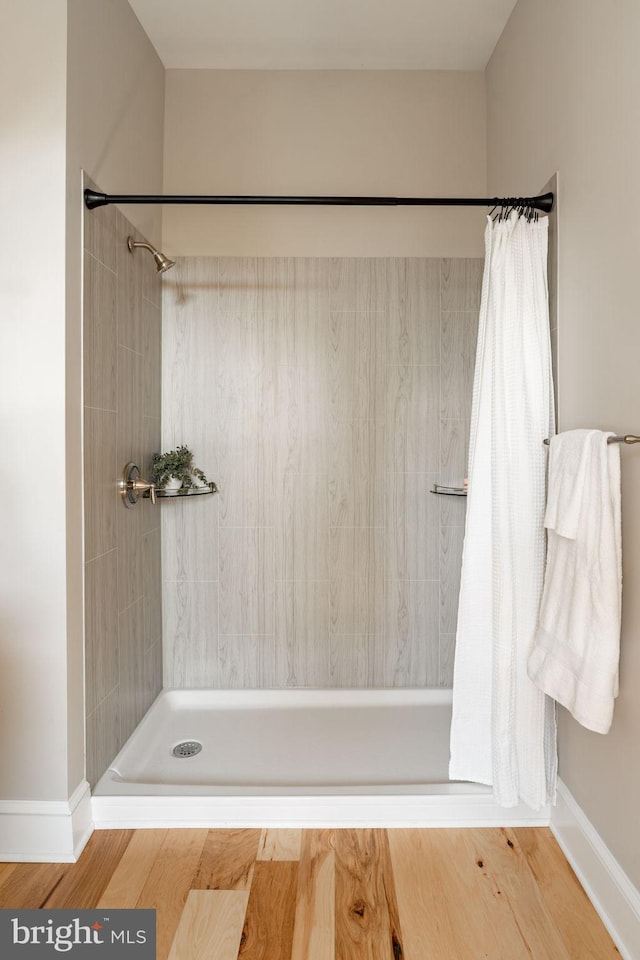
(446,809)
(606,884)
(46,831)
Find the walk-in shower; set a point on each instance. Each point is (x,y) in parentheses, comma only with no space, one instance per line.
(300,625)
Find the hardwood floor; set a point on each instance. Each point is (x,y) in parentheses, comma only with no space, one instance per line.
(403,894)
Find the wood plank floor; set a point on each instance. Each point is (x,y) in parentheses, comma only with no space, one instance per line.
(490,894)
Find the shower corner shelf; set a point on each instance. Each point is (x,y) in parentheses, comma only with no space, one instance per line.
(186,492)
(448,491)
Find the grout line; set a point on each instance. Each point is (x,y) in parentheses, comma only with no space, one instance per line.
(88,253)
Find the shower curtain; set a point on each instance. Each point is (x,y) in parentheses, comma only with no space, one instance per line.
(503,729)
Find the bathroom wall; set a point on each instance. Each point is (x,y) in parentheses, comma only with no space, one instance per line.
(33,546)
(123,606)
(331,132)
(561,87)
(325,397)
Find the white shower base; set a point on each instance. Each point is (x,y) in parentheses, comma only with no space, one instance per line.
(295,758)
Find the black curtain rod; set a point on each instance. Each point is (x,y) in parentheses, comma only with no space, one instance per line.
(544,202)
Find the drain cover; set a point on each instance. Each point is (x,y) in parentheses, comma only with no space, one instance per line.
(188,748)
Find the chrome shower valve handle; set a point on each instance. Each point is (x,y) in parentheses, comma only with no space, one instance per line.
(132,486)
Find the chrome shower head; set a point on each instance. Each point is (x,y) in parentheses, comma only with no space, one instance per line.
(162,263)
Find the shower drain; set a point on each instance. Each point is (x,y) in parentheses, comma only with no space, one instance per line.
(188,748)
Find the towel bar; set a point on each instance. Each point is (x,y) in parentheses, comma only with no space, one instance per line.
(628,438)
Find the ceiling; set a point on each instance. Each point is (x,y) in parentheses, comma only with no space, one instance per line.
(324,34)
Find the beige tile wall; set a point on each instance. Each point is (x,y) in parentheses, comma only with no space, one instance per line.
(325,397)
(123,580)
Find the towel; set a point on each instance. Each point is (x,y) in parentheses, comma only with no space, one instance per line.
(575,653)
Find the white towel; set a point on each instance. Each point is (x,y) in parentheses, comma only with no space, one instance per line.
(576,650)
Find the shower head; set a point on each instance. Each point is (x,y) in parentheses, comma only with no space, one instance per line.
(162,263)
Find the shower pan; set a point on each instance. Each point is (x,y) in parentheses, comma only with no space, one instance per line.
(313,740)
(294,758)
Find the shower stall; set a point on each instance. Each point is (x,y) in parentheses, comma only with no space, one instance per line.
(281,652)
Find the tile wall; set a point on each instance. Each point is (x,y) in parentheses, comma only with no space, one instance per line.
(123,607)
(325,397)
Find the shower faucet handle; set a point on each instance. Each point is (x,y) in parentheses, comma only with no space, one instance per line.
(141,486)
(132,486)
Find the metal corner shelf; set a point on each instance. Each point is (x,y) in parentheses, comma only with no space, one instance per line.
(186,492)
(448,491)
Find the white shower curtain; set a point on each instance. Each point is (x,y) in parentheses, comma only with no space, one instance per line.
(503,729)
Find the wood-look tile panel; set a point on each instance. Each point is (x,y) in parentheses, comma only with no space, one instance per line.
(366,919)
(152,359)
(133,700)
(268,926)
(101,499)
(101,629)
(301,306)
(190,634)
(169,882)
(301,510)
(100,231)
(100,342)
(298,430)
(152,586)
(459,333)
(451,545)
(310,389)
(454,451)
(151,444)
(412,522)
(352,660)
(356,587)
(152,671)
(130,532)
(357,366)
(302,632)
(247,580)
(104,736)
(358,285)
(447,647)
(356,477)
(461,283)
(122,367)
(183,301)
(276,844)
(131,406)
(412,419)
(128,879)
(314,924)
(411,631)
(190,539)
(413,310)
(227,860)
(246,464)
(130,268)
(239,661)
(210,926)
(82,888)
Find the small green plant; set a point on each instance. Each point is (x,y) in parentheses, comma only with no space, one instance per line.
(176,463)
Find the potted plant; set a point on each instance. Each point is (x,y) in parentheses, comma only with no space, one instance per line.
(175,469)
